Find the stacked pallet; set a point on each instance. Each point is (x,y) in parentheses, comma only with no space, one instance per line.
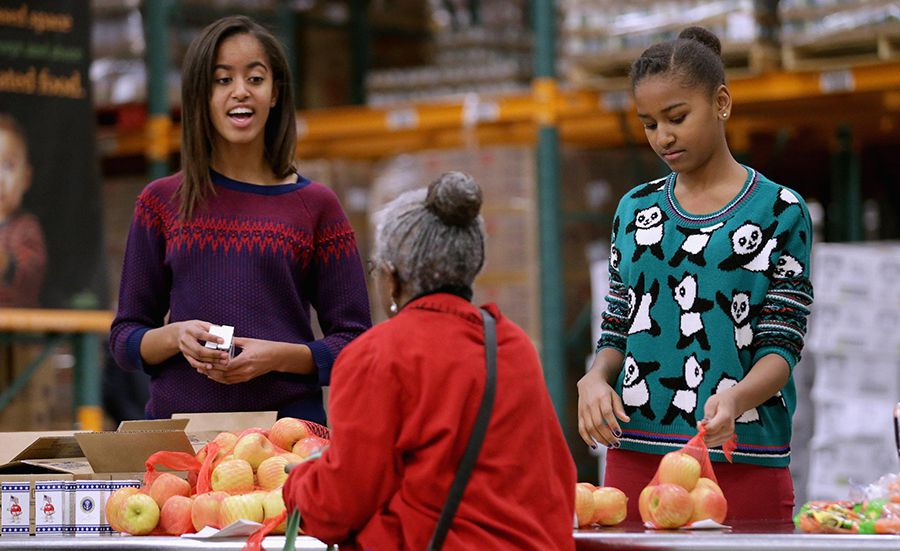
(485,52)
(600,38)
(828,34)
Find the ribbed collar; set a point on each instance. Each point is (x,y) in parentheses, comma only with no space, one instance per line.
(685,218)
(275,189)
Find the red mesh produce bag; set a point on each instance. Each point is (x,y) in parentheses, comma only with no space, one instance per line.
(318,430)
(204,477)
(177,461)
(254,542)
(669,500)
(696,448)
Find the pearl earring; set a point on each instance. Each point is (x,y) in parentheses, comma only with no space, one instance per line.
(724,115)
(394,308)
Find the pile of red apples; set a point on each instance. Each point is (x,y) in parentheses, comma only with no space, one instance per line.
(246,483)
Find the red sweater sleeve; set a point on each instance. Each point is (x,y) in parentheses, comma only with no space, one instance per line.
(338,493)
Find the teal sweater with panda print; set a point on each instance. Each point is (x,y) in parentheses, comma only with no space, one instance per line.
(696,300)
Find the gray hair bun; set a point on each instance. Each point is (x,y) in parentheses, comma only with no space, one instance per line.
(704,37)
(455,198)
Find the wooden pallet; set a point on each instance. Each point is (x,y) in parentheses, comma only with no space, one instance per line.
(845,49)
(610,70)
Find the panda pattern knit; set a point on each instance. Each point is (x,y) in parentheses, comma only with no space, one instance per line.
(739,290)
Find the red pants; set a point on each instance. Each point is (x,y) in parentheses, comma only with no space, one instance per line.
(753,492)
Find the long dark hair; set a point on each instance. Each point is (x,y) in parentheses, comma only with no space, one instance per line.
(196,127)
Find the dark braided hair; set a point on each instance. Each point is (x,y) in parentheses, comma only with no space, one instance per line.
(695,56)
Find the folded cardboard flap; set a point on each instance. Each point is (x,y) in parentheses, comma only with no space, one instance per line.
(77,466)
(153,424)
(229,421)
(127,451)
(17,446)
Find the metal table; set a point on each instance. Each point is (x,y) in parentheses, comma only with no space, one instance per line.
(741,537)
(144,543)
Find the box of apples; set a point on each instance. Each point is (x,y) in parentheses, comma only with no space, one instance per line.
(235,477)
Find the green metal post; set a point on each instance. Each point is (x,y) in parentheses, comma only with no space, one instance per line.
(158,121)
(549,211)
(287,34)
(88,408)
(475,11)
(360,34)
(845,220)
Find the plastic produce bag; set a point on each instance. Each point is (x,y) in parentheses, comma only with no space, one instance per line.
(877,511)
(849,517)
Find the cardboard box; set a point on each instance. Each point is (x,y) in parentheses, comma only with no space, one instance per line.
(52,513)
(88,466)
(88,501)
(16,516)
(86,462)
(45,402)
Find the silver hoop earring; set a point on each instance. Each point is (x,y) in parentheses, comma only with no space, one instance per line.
(394,308)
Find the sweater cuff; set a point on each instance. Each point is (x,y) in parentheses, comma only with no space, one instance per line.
(766,350)
(133,349)
(606,341)
(324,359)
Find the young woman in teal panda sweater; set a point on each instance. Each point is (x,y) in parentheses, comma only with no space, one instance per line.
(709,295)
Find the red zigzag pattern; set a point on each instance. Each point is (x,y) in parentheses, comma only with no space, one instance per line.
(332,243)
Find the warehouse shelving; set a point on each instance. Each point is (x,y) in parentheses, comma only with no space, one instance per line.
(769,101)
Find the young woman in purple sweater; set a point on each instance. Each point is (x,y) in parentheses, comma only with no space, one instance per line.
(238,238)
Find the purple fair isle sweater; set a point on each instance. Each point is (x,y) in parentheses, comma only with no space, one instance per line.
(254,257)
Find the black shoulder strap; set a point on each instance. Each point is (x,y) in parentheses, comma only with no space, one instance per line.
(475,440)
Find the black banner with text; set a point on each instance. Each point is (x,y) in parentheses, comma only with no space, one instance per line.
(51,233)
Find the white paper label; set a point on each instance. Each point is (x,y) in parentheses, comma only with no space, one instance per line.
(50,514)
(16,500)
(831,82)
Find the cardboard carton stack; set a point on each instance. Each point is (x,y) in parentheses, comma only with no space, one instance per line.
(45,402)
(854,343)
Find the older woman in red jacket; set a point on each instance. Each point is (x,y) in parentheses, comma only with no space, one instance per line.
(405,394)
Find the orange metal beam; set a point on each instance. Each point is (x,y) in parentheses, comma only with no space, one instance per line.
(584,116)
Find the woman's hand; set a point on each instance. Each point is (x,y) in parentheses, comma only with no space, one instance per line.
(767,376)
(719,414)
(191,337)
(599,410)
(259,357)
